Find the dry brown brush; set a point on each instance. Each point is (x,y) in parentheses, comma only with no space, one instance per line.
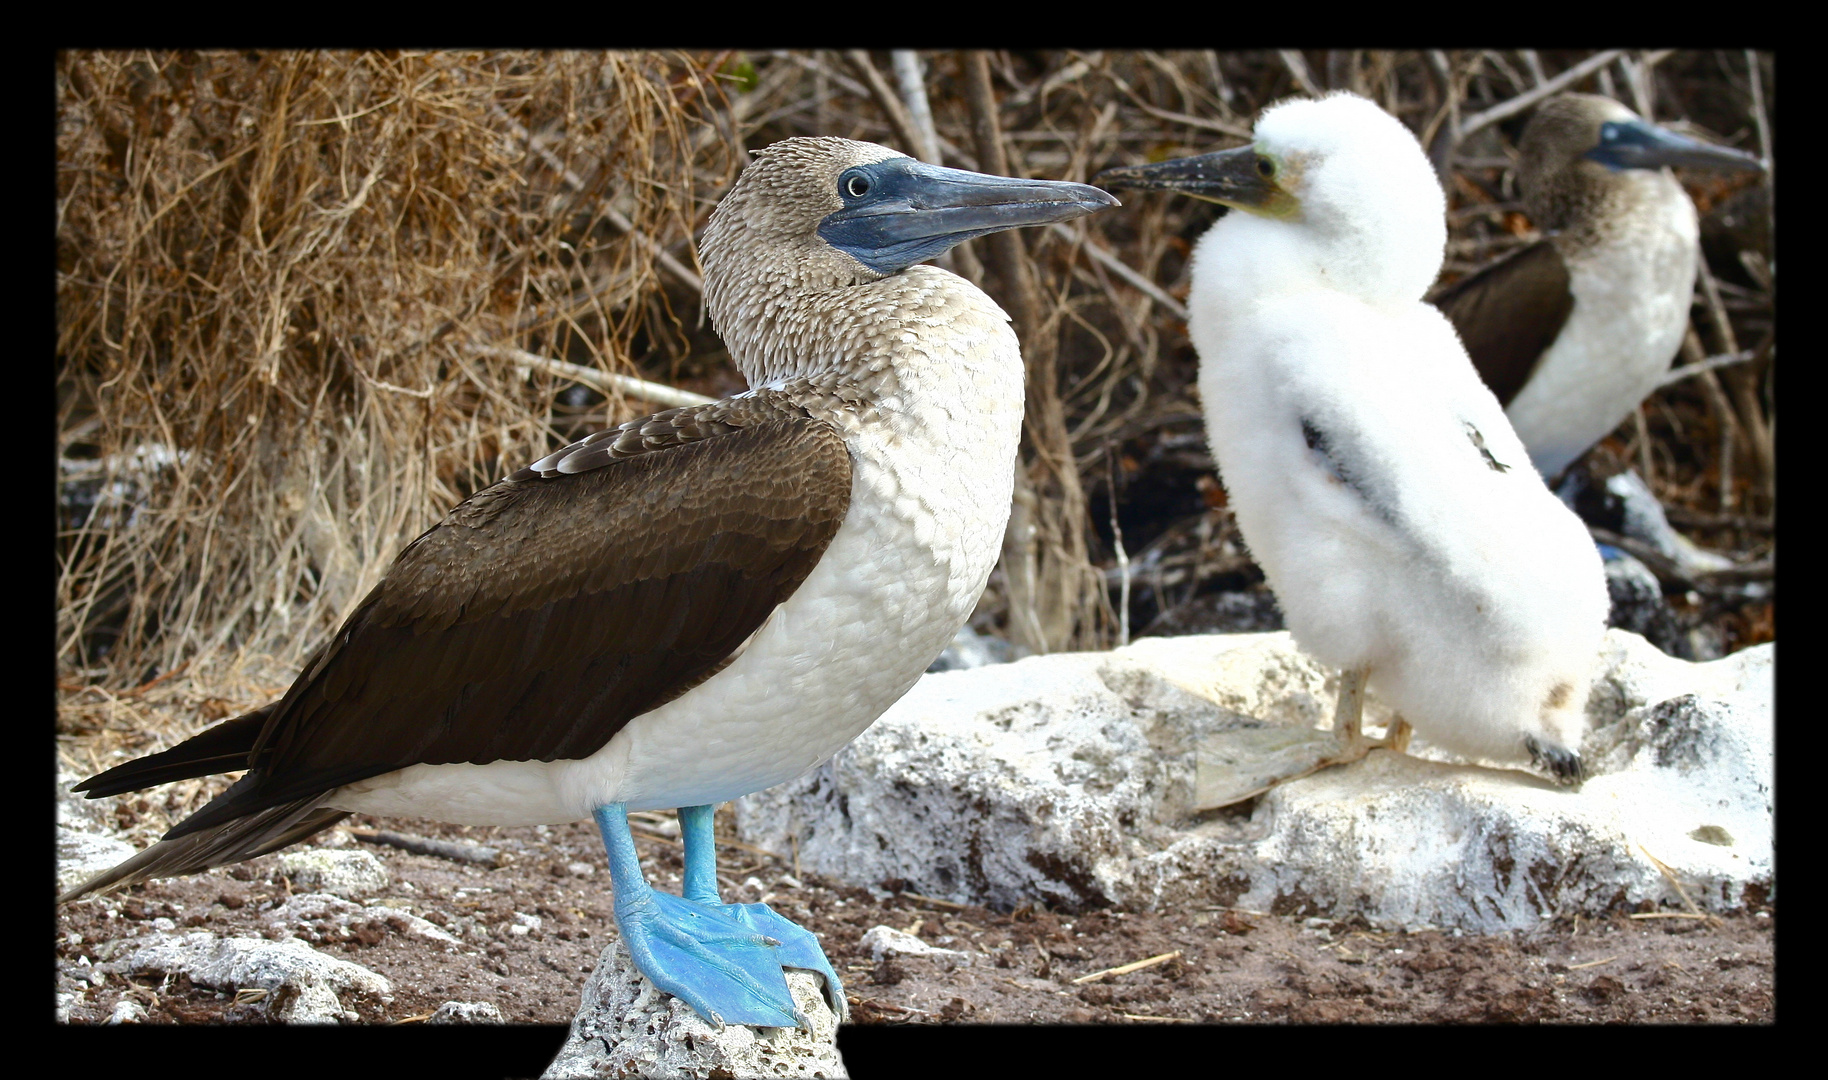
(279,278)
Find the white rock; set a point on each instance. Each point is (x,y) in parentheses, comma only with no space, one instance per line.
(302,983)
(77,812)
(627,1027)
(312,907)
(886,940)
(969,649)
(346,872)
(400,919)
(466,1012)
(324,911)
(1068,778)
(127,1011)
(81,855)
(86,844)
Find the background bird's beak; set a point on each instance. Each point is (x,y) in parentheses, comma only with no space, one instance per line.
(916,211)
(1225,176)
(1635,144)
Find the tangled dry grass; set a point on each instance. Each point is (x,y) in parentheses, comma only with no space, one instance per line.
(303,298)
(280,278)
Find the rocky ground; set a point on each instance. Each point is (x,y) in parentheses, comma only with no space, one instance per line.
(524,937)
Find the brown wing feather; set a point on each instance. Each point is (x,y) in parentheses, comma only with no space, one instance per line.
(1509,313)
(222,748)
(547,611)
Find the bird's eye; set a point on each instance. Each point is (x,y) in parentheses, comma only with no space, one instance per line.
(1265,168)
(857,186)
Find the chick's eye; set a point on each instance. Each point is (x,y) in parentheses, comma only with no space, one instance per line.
(1265,168)
(857,186)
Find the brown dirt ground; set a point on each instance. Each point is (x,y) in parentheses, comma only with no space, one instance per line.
(1234,966)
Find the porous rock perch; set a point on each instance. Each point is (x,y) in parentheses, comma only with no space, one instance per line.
(626,1027)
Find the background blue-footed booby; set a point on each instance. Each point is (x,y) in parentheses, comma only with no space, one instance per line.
(1574,330)
(1375,479)
(694,605)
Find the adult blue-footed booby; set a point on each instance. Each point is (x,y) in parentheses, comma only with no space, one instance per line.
(1574,330)
(692,606)
(1374,477)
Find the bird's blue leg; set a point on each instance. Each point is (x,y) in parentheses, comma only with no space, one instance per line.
(696,951)
(799,948)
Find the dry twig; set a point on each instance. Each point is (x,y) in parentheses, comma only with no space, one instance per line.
(1125,969)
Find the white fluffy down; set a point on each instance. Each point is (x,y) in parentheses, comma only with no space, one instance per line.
(1473,595)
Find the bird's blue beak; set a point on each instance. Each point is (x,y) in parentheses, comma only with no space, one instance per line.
(902,211)
(1635,144)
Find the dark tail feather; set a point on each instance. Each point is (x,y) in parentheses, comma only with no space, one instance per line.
(223,748)
(231,842)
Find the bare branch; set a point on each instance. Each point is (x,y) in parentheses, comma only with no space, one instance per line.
(1117,266)
(914,96)
(1677,374)
(885,99)
(1298,67)
(604,382)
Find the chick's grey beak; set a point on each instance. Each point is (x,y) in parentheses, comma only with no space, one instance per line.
(1635,144)
(911,211)
(1225,176)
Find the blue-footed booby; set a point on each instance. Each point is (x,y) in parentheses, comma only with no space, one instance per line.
(689,607)
(1374,478)
(1574,330)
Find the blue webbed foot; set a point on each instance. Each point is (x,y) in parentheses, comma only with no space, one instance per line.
(727,971)
(694,950)
(799,948)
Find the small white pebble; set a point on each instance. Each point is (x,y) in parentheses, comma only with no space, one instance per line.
(787,881)
(163,923)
